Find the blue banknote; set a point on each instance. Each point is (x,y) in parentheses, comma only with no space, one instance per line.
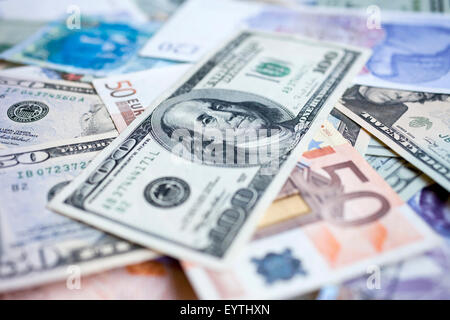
(413,54)
(409,52)
(97,48)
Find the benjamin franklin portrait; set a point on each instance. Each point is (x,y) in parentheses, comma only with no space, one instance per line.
(247,122)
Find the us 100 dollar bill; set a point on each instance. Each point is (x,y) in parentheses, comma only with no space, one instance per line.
(37,245)
(35,111)
(416,125)
(334,217)
(190,176)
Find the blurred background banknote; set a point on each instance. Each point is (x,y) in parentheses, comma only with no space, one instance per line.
(400,5)
(35,111)
(112,47)
(404,55)
(38,245)
(159,279)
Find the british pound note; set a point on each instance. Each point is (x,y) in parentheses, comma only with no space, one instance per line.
(36,245)
(410,51)
(192,174)
(35,111)
(414,124)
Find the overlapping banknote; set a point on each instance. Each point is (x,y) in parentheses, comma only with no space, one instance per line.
(410,51)
(192,174)
(35,111)
(159,279)
(421,277)
(334,218)
(415,124)
(115,148)
(98,47)
(126,96)
(37,245)
(373,5)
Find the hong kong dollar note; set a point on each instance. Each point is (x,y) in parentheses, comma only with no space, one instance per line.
(35,111)
(414,124)
(37,245)
(334,217)
(191,175)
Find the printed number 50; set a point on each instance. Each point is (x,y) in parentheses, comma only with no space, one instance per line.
(119,92)
(336,212)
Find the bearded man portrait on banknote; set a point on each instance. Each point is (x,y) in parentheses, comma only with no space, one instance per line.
(225,120)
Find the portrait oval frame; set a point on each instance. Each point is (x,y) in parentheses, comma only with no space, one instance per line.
(160,135)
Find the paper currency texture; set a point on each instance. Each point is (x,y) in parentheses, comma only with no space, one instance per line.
(191,175)
(334,218)
(414,124)
(34,111)
(37,245)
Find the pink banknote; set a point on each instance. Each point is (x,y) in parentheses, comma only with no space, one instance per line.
(156,279)
(334,218)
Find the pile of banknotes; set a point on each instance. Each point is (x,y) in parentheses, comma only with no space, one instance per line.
(224,149)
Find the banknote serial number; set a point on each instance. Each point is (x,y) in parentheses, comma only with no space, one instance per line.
(68,167)
(43,94)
